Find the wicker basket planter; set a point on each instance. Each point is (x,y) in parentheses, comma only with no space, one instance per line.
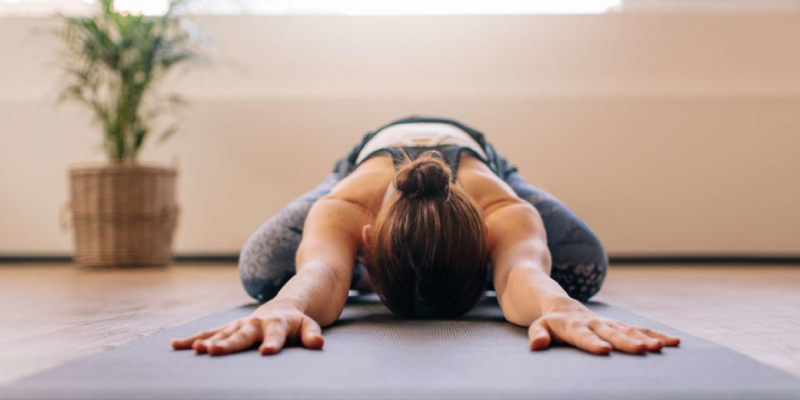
(123,215)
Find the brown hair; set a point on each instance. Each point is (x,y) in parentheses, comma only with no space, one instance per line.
(428,251)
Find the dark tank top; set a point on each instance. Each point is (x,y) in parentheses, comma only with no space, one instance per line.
(450,152)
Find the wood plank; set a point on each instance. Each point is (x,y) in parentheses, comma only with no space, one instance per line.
(51,314)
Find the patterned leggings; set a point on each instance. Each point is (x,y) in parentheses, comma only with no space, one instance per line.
(267,260)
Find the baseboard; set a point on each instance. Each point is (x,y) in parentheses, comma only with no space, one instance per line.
(615,259)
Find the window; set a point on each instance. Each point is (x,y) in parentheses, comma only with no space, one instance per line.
(27,8)
(400,7)
(330,7)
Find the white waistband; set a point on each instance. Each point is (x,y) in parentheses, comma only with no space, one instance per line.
(436,132)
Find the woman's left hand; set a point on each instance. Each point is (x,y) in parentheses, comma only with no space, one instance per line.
(567,320)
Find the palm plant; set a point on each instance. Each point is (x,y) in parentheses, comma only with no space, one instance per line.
(113,61)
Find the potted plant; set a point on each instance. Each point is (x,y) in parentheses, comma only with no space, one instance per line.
(123,213)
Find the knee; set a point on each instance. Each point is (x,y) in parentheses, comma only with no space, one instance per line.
(580,281)
(266,262)
(580,266)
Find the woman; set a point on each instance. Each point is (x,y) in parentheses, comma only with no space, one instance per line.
(427,214)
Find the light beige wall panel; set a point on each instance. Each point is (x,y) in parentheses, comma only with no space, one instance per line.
(675,133)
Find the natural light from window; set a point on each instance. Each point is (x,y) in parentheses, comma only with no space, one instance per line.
(399,7)
(331,7)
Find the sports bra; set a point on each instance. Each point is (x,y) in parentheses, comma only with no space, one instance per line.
(434,132)
(450,152)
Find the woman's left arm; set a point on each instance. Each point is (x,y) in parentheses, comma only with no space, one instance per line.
(530,298)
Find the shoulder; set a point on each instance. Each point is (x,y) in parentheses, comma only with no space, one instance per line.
(485,188)
(367,184)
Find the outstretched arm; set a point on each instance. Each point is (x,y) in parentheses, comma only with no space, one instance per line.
(313,297)
(521,261)
(325,259)
(530,298)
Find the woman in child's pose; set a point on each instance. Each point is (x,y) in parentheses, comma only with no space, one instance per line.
(427,214)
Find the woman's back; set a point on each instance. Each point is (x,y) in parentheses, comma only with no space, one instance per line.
(370,183)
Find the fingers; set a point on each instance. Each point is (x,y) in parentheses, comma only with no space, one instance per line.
(653,340)
(651,343)
(667,340)
(576,333)
(186,343)
(573,323)
(619,339)
(202,346)
(539,335)
(311,334)
(273,332)
(242,339)
(274,337)
(304,330)
(584,338)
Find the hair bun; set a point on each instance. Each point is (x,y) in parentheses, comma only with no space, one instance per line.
(426,176)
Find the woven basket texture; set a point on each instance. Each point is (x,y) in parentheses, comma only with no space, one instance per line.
(123,215)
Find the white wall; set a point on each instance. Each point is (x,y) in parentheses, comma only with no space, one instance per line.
(666,133)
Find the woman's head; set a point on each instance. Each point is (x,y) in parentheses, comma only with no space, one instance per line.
(428,250)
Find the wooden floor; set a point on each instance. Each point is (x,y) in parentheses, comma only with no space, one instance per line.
(50,314)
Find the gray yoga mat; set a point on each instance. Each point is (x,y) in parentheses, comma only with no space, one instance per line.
(369,354)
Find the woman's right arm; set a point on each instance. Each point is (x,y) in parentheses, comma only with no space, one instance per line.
(313,297)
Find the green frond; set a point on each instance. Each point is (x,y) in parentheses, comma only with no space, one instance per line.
(167,134)
(113,62)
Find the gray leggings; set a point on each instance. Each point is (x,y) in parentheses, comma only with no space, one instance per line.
(267,260)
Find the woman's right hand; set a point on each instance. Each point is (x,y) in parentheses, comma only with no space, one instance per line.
(271,325)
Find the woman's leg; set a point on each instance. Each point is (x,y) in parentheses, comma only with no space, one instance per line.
(267,260)
(579,260)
